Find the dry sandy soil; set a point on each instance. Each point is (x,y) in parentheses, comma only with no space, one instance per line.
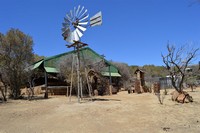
(121,113)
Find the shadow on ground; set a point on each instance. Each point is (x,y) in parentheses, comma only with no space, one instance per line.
(103,99)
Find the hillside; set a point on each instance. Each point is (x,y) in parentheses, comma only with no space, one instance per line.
(151,71)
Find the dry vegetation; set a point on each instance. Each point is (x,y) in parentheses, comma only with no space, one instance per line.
(127,113)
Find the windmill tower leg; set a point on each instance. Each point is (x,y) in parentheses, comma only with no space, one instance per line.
(78,77)
(81,87)
(72,75)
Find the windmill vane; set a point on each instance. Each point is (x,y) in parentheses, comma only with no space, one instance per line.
(77,21)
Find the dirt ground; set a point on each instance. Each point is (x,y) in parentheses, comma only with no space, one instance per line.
(121,113)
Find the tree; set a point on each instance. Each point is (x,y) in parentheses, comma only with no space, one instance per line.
(192,76)
(176,62)
(16,53)
(88,68)
(125,72)
(3,88)
(37,57)
(66,72)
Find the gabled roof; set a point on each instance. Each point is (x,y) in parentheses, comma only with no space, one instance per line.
(51,64)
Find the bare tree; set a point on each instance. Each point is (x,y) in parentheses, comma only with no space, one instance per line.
(176,62)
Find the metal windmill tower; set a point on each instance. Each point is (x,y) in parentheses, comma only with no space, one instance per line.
(75,24)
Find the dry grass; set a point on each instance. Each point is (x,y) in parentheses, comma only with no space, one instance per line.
(121,113)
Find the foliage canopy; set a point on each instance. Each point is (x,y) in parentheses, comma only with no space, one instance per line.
(16,53)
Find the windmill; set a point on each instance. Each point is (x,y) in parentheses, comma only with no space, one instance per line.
(75,24)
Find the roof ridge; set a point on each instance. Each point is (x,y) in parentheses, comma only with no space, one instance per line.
(65,53)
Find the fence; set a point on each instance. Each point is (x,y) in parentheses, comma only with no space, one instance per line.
(166,82)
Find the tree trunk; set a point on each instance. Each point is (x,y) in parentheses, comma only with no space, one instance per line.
(174,85)
(191,87)
(4,96)
(16,92)
(181,83)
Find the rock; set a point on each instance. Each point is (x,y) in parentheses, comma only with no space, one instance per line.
(186,100)
(181,98)
(166,129)
(189,98)
(175,95)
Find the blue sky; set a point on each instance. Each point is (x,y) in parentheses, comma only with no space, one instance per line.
(134,31)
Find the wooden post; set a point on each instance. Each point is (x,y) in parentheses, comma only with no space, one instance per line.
(72,74)
(81,88)
(78,74)
(46,90)
(67,91)
(110,81)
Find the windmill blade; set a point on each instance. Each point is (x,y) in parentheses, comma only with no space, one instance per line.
(81,28)
(76,37)
(63,29)
(79,33)
(77,10)
(80,12)
(69,18)
(71,13)
(74,12)
(66,33)
(83,13)
(66,20)
(65,24)
(70,38)
(83,23)
(85,17)
(96,19)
